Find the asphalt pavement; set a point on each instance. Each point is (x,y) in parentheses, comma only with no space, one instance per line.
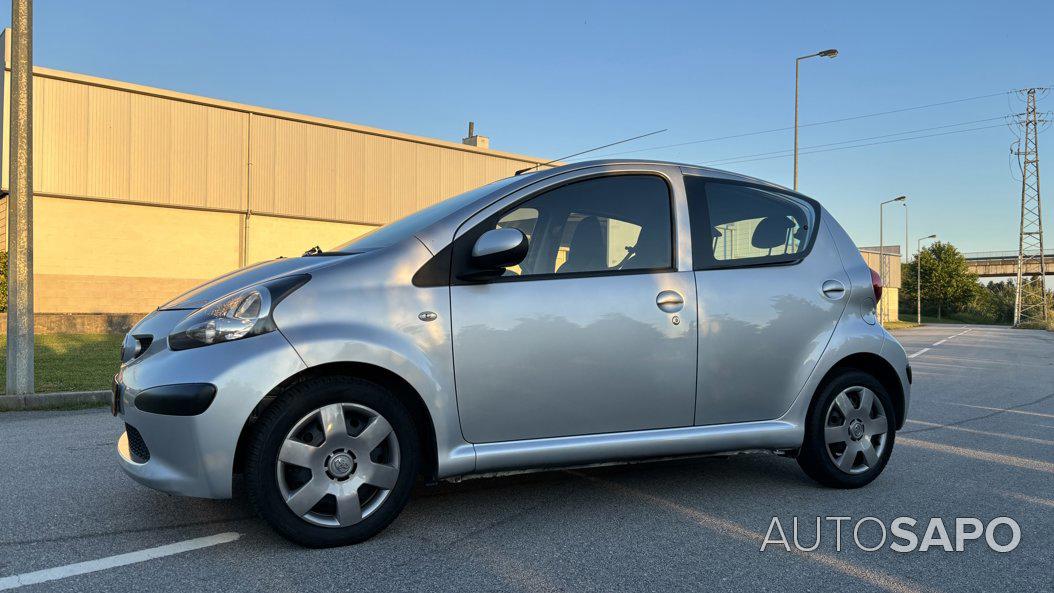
(978,444)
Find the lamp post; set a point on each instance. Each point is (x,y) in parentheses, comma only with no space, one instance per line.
(20,204)
(906,254)
(882,317)
(918,278)
(827,53)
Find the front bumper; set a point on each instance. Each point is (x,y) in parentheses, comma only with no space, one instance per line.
(193,455)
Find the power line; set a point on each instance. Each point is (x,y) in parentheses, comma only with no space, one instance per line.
(819,123)
(522,171)
(964,123)
(1013,125)
(747,160)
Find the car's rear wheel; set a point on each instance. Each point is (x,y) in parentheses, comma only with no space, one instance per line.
(332,461)
(849,432)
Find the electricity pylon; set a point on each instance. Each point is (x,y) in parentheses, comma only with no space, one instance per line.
(1030,302)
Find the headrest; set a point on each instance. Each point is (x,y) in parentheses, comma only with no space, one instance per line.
(771,232)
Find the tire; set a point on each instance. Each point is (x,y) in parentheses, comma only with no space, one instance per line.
(848,442)
(297,453)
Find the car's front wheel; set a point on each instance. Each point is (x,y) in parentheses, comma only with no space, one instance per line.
(332,461)
(849,432)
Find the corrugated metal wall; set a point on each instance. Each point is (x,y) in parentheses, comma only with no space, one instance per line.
(105,143)
(889,306)
(103,139)
(314,171)
(142,193)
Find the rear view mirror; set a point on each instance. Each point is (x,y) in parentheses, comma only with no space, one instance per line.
(496,250)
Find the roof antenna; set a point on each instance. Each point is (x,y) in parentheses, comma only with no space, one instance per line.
(522,171)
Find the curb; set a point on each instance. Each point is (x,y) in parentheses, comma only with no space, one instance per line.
(46,401)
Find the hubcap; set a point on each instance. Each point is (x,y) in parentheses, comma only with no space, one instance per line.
(855,430)
(338,464)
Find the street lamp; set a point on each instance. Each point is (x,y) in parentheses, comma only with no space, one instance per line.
(918,278)
(827,53)
(882,248)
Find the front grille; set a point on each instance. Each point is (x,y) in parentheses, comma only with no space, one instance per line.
(136,445)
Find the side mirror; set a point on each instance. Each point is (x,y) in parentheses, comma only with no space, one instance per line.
(494,251)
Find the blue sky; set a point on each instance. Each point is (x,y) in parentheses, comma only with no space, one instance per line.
(549,79)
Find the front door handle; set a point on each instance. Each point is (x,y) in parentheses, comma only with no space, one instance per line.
(669,301)
(833,290)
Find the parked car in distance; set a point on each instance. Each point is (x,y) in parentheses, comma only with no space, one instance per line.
(589,313)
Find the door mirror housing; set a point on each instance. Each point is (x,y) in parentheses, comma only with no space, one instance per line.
(494,251)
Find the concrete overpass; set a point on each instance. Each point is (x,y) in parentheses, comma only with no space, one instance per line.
(1004,263)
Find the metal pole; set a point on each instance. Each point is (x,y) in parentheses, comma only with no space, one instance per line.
(881,258)
(918,277)
(882,250)
(1039,223)
(20,205)
(1021,233)
(905,234)
(918,283)
(827,53)
(796,63)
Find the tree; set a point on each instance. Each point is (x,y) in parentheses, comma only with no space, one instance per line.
(948,286)
(994,303)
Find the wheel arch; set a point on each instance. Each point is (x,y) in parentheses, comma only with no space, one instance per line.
(881,370)
(359,370)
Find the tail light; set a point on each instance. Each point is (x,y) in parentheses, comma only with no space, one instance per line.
(876,285)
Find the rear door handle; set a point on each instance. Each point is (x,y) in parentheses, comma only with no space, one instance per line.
(669,301)
(833,290)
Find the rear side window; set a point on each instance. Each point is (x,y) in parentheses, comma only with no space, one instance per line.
(735,225)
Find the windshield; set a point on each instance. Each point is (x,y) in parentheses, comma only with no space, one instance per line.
(398,230)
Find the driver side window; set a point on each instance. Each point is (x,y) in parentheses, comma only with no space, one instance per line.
(605,224)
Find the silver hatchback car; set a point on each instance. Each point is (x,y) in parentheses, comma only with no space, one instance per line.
(594,312)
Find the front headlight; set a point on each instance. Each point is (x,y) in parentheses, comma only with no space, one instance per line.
(235,316)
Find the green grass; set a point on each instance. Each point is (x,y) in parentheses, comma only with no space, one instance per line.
(71,362)
(959,318)
(899,324)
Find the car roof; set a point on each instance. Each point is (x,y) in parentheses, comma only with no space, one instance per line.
(437,235)
(686,168)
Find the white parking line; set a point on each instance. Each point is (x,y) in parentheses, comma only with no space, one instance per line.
(939,343)
(1025,412)
(962,367)
(919,352)
(996,364)
(872,577)
(1039,425)
(1022,462)
(71,570)
(1033,499)
(965,331)
(1014,437)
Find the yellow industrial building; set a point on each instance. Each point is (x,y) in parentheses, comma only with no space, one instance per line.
(890,303)
(141,193)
